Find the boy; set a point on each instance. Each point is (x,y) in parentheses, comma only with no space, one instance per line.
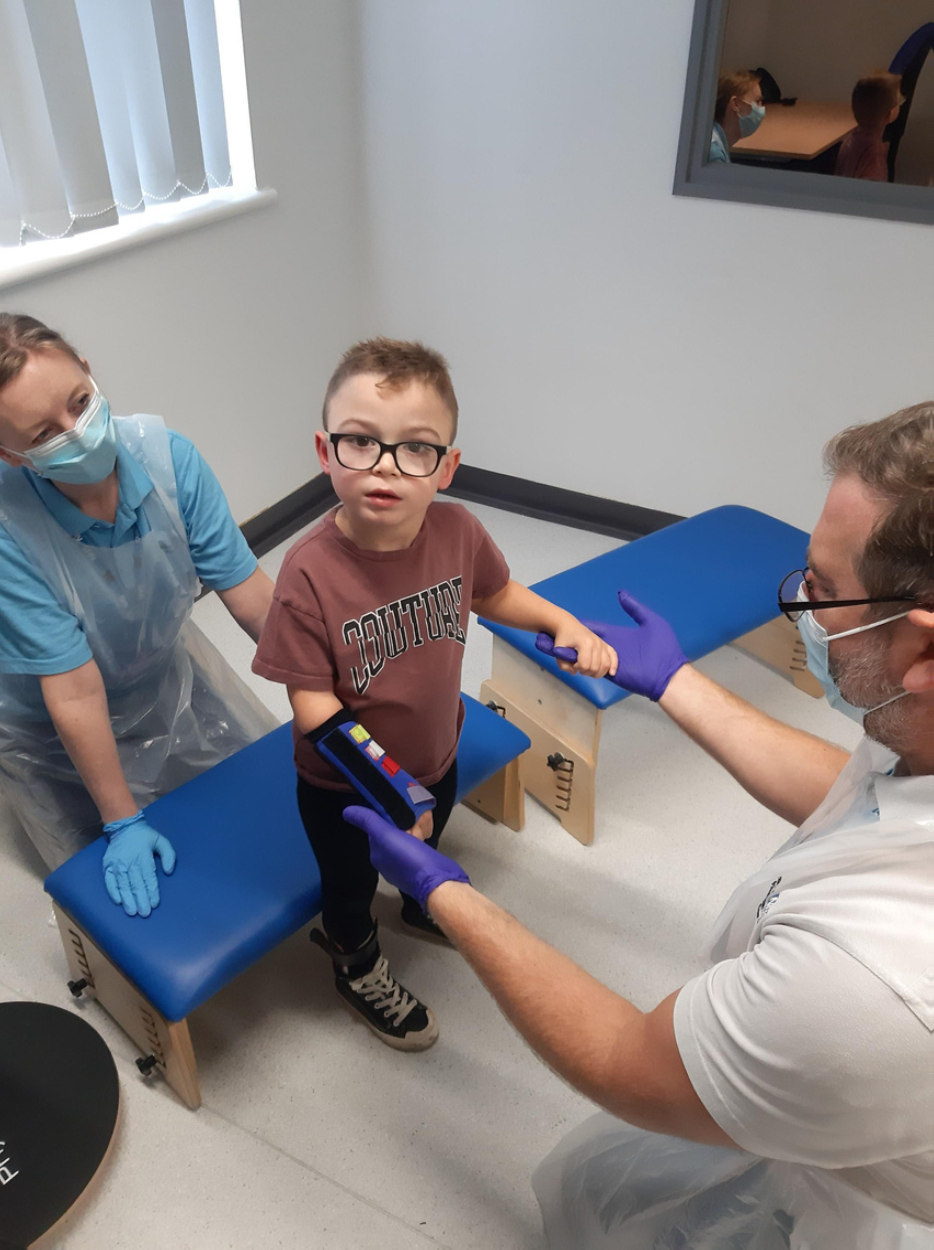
(369,618)
(863,153)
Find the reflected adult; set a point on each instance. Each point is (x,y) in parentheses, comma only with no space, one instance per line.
(109,695)
(738,113)
(789,1088)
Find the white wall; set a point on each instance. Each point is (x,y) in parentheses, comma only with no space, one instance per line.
(231,331)
(606,336)
(517,212)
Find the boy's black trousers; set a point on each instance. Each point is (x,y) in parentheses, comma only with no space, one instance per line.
(348,879)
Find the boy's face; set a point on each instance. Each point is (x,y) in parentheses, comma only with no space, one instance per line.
(383,498)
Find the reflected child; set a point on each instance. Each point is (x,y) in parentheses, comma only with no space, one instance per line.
(864,153)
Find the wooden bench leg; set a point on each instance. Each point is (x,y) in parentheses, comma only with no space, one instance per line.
(168,1040)
(779,645)
(501,798)
(560,768)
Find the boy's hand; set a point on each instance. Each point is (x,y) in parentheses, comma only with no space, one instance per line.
(595,658)
(423,827)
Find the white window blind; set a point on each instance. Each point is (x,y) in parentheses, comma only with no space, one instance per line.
(106,107)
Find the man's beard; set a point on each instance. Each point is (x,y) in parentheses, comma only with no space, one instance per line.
(864,682)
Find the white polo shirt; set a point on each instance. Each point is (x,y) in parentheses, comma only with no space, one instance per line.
(812,1040)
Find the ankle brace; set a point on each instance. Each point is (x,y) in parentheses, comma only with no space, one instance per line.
(350,963)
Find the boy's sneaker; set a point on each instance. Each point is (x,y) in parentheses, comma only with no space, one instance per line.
(394,1015)
(414,918)
(366,985)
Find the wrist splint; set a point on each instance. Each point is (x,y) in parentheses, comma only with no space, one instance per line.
(377,778)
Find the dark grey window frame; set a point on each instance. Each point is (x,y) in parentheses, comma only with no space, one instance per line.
(777,187)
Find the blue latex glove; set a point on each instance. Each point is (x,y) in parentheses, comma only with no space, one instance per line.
(648,656)
(403,860)
(129,866)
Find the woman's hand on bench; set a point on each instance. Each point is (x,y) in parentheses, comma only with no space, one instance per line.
(647,656)
(130,866)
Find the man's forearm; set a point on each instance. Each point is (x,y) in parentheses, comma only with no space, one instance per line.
(787,770)
(77,703)
(622,1058)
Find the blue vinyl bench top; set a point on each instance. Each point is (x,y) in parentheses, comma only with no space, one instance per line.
(246,879)
(713,576)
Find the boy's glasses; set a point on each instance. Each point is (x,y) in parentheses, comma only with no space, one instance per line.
(793,607)
(359,451)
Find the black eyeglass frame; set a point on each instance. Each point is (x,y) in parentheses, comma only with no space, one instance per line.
(792,608)
(336,439)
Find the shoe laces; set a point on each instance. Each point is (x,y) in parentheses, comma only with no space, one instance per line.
(379,987)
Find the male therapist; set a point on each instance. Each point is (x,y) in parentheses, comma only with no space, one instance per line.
(809,1040)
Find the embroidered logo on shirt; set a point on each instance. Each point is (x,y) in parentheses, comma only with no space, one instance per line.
(771,895)
(389,631)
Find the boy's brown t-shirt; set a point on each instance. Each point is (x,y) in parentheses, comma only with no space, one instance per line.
(385,630)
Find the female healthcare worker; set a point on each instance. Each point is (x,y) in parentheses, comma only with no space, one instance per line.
(109,695)
(738,113)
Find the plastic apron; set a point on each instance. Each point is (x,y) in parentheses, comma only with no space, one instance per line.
(608,1184)
(176,706)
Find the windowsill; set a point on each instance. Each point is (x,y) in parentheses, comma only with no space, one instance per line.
(34,260)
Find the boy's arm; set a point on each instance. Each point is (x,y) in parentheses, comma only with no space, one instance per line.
(521,608)
(312,708)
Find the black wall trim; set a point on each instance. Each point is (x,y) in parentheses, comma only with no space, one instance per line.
(552,503)
(274,525)
(497,490)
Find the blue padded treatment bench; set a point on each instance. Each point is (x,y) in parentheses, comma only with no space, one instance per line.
(714,576)
(246,880)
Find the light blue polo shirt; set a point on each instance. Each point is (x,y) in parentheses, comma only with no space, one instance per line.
(719,148)
(37,635)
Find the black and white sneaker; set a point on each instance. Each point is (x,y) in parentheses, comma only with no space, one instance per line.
(394,1015)
(366,985)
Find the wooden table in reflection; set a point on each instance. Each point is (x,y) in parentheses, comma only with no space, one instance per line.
(799,131)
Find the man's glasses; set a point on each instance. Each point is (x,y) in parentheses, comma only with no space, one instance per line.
(792,607)
(359,451)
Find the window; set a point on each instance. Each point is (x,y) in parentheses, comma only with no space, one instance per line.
(792,186)
(114,115)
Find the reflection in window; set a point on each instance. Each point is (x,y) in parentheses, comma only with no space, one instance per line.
(814,53)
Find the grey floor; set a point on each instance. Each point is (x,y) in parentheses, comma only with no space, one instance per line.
(312,1133)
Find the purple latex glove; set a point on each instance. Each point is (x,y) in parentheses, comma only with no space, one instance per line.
(648,656)
(402,859)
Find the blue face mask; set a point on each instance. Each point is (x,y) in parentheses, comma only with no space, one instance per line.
(749,124)
(815,639)
(82,455)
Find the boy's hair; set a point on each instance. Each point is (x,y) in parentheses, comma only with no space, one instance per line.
(894,457)
(398,363)
(874,98)
(21,334)
(737,83)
